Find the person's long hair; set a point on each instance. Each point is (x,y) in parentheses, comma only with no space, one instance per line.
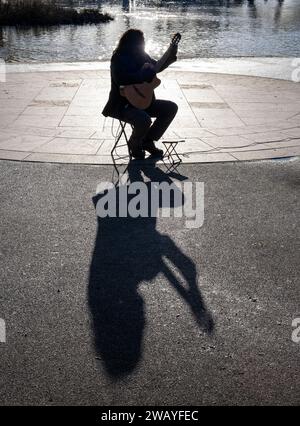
(130,39)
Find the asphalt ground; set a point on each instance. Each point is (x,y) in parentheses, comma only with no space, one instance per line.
(123,311)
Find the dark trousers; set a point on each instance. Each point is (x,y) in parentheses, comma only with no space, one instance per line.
(143,129)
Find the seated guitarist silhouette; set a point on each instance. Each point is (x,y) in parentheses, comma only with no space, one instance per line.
(131,65)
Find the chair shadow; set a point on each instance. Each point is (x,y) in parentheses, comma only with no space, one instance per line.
(127,252)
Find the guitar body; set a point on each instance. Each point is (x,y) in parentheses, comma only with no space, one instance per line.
(140,95)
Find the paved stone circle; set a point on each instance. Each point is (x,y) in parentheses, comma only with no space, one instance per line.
(56,117)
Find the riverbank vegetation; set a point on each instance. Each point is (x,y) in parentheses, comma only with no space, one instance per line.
(44,12)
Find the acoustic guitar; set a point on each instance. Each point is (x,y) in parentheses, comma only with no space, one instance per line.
(140,95)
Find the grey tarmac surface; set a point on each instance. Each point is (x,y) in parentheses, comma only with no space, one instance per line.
(146,311)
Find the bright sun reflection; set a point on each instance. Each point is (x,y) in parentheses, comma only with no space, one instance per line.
(152,47)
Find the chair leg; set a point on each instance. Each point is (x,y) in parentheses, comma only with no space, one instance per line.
(119,136)
(127,140)
(116,143)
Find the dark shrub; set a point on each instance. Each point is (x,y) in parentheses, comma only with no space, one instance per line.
(38,12)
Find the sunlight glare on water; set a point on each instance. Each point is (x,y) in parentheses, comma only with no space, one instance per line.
(210,28)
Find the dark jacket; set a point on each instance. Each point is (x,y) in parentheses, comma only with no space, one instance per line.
(126,68)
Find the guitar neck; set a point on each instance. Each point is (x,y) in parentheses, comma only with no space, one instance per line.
(161,62)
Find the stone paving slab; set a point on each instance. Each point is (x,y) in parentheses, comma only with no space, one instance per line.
(56,117)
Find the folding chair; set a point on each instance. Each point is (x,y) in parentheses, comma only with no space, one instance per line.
(119,167)
(171,155)
(121,132)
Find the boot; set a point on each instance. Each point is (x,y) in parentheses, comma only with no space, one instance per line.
(150,147)
(136,151)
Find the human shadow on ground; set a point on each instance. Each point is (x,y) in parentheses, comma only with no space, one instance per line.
(127,252)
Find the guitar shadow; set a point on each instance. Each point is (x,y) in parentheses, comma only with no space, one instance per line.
(127,252)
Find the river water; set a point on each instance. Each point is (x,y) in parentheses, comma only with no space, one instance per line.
(210,28)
